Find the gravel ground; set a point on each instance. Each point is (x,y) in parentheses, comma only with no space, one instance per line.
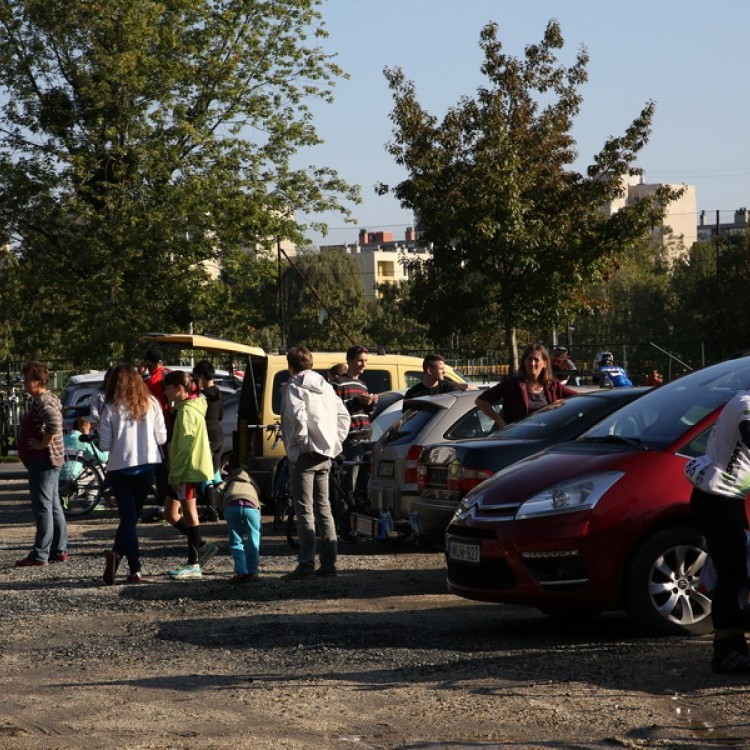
(379,657)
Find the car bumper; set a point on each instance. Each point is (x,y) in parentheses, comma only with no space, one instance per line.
(396,499)
(543,562)
(430,518)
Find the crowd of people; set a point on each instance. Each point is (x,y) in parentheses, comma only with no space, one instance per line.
(163,429)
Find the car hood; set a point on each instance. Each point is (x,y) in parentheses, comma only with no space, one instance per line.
(542,470)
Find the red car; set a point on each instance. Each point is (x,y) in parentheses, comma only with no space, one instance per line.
(603,522)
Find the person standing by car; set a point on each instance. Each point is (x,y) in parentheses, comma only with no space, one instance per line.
(40,448)
(314,424)
(360,404)
(189,464)
(203,374)
(531,388)
(433,379)
(721,480)
(131,427)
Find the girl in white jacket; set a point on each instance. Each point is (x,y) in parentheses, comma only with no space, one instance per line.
(132,429)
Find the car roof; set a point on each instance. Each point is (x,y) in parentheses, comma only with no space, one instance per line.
(203,343)
(441,401)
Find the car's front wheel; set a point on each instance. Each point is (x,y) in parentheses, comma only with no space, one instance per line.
(661,584)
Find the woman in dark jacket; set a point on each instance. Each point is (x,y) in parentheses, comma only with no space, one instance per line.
(531,388)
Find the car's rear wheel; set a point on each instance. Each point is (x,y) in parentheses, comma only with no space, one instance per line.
(661,584)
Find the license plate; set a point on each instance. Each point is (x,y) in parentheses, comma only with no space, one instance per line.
(467,552)
(385,469)
(365,525)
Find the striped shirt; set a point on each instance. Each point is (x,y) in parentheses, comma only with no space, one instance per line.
(46,411)
(348,389)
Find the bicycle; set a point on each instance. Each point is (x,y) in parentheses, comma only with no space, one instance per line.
(13,403)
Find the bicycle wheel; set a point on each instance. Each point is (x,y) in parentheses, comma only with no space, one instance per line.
(80,495)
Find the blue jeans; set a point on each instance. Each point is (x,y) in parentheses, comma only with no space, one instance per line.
(243,524)
(309,479)
(131,491)
(51,527)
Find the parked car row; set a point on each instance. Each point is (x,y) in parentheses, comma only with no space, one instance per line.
(580,508)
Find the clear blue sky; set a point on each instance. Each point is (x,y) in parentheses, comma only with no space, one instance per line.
(689,57)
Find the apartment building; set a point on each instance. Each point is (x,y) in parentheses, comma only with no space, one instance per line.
(678,230)
(381,258)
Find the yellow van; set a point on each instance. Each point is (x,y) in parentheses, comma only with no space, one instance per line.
(256,446)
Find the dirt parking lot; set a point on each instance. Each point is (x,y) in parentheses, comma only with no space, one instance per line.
(379,657)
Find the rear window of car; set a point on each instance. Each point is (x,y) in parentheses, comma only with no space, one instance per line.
(411,423)
(377,381)
(412,377)
(474,424)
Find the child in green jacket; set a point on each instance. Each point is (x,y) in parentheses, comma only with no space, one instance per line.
(190,464)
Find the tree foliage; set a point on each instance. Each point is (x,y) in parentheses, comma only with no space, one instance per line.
(512,225)
(140,141)
(710,296)
(323,301)
(389,324)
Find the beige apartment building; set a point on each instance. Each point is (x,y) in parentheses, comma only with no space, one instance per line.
(678,230)
(381,258)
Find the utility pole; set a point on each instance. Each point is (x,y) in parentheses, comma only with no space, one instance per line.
(280,295)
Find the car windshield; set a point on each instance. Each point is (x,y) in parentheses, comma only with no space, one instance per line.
(661,416)
(553,418)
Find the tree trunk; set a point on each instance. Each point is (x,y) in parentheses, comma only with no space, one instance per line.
(512,344)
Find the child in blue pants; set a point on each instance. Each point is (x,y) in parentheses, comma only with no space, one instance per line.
(242,514)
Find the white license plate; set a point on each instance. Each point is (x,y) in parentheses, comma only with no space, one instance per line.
(385,469)
(366,525)
(468,552)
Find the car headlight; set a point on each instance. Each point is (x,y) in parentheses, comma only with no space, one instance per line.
(465,507)
(581,493)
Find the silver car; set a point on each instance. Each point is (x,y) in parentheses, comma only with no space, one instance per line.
(393,464)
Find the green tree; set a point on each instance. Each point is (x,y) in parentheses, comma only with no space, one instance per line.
(323,301)
(512,225)
(389,324)
(710,300)
(140,141)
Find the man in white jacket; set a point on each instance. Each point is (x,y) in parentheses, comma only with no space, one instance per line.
(314,424)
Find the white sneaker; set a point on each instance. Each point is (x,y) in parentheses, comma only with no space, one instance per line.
(186,571)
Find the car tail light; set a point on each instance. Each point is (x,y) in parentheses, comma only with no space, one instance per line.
(465,479)
(421,476)
(412,456)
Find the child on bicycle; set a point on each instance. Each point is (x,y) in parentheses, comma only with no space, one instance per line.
(190,464)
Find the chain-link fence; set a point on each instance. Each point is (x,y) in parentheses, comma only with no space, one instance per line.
(640,360)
